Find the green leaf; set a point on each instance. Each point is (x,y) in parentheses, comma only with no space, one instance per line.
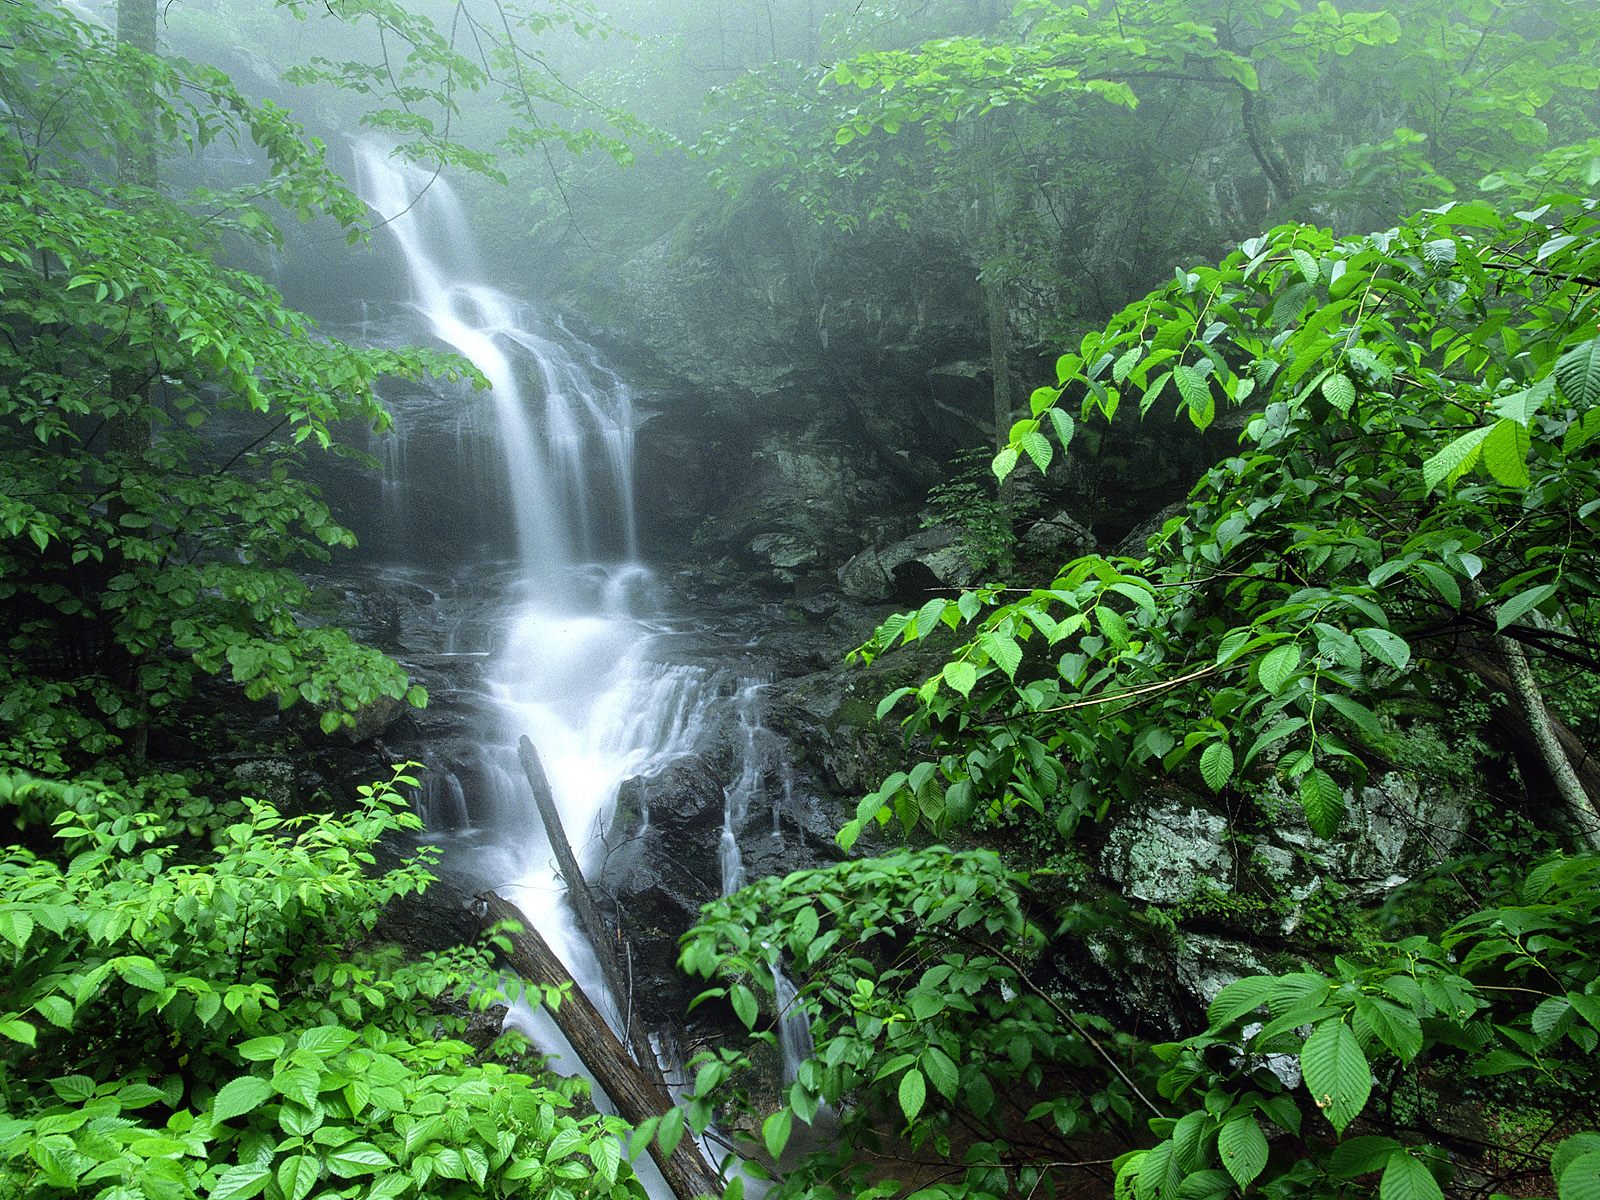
(1388,648)
(913,1091)
(1278,667)
(1004,463)
(1005,652)
(1578,373)
(744,1005)
(1580,1180)
(1323,802)
(18,1031)
(1358,714)
(358,1158)
(1039,449)
(775,1131)
(1194,389)
(1243,1149)
(1521,604)
(1505,453)
(241,1182)
(240,1096)
(1340,392)
(298,1175)
(1240,998)
(1306,263)
(1455,459)
(961,676)
(942,1071)
(1336,1072)
(1216,765)
(1407,1179)
(1064,425)
(606,1154)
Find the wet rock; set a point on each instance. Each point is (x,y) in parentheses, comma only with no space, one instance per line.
(1057,538)
(908,569)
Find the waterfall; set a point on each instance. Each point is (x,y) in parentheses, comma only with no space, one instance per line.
(574,660)
(573,669)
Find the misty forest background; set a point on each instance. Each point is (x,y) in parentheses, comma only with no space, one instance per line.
(1185,415)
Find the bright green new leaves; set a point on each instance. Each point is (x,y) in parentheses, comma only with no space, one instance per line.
(203,1022)
(1390,438)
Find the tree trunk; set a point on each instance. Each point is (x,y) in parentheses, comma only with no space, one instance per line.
(1517,681)
(636,1096)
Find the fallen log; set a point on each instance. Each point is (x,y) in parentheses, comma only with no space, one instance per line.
(637,1093)
(589,919)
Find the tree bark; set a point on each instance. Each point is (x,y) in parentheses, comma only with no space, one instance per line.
(636,1095)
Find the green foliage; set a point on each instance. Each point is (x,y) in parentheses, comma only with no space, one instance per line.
(157,407)
(920,981)
(984,523)
(918,998)
(179,1026)
(1453,487)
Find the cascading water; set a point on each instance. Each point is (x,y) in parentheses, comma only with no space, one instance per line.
(574,664)
(573,670)
(757,765)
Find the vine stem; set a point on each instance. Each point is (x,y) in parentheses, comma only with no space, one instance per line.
(1060,1011)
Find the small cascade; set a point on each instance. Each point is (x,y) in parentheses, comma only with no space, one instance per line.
(794,1028)
(738,797)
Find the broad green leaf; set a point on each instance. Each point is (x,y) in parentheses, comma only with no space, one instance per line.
(358,1158)
(1194,389)
(1005,462)
(1578,373)
(938,1067)
(1521,604)
(1358,714)
(1505,453)
(242,1095)
(1323,802)
(1306,263)
(298,1175)
(1388,648)
(1243,1149)
(1278,667)
(1064,425)
(1455,459)
(1340,392)
(913,1091)
(1336,1072)
(1238,999)
(241,1182)
(744,1004)
(1580,1180)
(1216,765)
(1038,448)
(775,1131)
(1407,1179)
(961,676)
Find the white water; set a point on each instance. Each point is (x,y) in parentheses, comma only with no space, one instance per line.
(574,671)
(577,670)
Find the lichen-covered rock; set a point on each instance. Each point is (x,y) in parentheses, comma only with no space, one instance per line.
(1162,850)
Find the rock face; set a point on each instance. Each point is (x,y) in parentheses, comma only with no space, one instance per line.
(1227,897)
